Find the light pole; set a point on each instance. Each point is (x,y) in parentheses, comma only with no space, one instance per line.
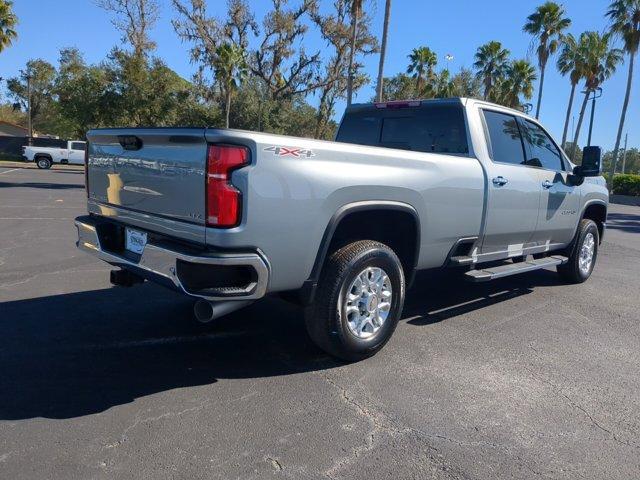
(30,126)
(624,155)
(448,57)
(597,93)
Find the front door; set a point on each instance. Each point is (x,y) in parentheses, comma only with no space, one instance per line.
(513,191)
(559,199)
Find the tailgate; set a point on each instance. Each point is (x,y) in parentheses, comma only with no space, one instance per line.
(158,172)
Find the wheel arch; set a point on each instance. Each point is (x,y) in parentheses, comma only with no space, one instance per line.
(596,210)
(343,214)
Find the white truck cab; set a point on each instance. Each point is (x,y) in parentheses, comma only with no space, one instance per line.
(47,156)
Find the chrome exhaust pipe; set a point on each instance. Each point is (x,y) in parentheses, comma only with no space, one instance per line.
(206,312)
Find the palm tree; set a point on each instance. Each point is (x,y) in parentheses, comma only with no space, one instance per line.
(518,81)
(546,25)
(8,21)
(230,68)
(600,62)
(570,62)
(356,12)
(422,62)
(383,50)
(491,63)
(625,21)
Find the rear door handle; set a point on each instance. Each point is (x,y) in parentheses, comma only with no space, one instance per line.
(500,181)
(547,184)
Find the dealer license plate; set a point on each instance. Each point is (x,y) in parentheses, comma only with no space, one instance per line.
(135,240)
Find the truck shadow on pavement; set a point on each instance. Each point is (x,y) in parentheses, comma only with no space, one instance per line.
(439,297)
(76,354)
(625,222)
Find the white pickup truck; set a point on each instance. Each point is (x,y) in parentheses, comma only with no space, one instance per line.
(47,156)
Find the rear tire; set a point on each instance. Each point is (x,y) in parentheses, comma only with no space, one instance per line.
(43,163)
(358,302)
(583,253)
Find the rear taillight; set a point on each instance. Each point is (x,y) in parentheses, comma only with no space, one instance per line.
(224,201)
(86,168)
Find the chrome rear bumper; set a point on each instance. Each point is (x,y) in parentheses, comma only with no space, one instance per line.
(157,261)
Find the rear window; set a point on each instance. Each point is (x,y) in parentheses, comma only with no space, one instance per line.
(429,128)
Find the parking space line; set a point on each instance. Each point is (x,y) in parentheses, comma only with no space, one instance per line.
(8,171)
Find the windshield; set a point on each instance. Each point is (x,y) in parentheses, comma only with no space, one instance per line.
(428,128)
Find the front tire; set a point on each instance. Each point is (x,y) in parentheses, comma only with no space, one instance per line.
(583,253)
(359,301)
(43,163)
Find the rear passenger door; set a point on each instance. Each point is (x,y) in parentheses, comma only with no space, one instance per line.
(513,192)
(76,153)
(559,199)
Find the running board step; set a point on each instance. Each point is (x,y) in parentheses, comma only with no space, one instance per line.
(514,268)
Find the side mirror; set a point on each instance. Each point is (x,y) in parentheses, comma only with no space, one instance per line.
(591,163)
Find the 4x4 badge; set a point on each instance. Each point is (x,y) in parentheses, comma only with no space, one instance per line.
(280,151)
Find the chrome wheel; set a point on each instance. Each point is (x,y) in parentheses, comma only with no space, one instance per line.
(368,302)
(586,253)
(43,163)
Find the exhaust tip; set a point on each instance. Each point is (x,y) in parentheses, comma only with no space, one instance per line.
(203,311)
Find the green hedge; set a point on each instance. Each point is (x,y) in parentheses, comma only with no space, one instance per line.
(626,185)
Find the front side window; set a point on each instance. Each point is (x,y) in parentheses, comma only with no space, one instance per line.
(541,151)
(505,138)
(78,146)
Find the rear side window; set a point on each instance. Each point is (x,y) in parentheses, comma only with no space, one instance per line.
(428,128)
(78,145)
(505,139)
(541,151)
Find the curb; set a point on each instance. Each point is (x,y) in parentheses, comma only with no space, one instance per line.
(30,165)
(625,200)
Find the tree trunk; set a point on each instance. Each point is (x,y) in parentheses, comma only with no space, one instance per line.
(352,54)
(227,108)
(622,118)
(383,50)
(320,117)
(580,118)
(542,69)
(567,118)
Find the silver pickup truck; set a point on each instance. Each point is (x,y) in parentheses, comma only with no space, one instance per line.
(229,216)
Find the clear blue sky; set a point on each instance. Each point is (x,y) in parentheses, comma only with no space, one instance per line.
(454,26)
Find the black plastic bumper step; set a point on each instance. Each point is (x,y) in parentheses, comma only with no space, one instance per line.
(461,260)
(484,275)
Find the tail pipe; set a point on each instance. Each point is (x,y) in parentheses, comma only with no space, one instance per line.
(206,312)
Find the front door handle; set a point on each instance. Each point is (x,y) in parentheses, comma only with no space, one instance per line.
(499,181)
(547,184)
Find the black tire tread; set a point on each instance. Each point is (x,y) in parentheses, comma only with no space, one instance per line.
(570,271)
(319,315)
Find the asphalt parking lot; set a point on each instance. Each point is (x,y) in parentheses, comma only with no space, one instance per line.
(520,378)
